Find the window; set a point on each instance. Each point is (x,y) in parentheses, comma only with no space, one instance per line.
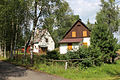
(73,34)
(85,44)
(78,25)
(84,33)
(46,39)
(70,46)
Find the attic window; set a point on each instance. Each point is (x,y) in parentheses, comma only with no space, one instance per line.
(78,25)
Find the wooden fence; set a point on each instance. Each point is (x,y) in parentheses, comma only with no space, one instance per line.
(65,61)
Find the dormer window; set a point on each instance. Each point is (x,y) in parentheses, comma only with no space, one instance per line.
(73,34)
(84,33)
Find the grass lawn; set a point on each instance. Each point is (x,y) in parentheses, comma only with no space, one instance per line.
(104,72)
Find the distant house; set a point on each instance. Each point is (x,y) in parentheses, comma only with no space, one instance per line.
(43,41)
(78,35)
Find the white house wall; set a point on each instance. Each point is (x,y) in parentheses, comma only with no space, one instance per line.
(36,48)
(75,46)
(64,47)
(50,44)
(87,40)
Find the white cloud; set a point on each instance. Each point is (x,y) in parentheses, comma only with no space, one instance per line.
(85,8)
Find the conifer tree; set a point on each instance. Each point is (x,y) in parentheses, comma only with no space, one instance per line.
(103,39)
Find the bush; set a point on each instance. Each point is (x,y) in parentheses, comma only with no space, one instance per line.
(63,57)
(90,56)
(53,54)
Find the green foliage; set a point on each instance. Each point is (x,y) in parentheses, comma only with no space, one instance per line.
(103,39)
(109,14)
(102,33)
(52,55)
(90,25)
(89,56)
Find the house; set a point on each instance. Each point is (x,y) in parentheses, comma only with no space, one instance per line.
(43,41)
(76,36)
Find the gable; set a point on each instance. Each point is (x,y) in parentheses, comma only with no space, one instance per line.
(43,36)
(79,27)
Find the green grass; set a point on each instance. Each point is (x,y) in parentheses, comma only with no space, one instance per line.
(104,72)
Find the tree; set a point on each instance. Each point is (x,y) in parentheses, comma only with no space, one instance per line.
(109,14)
(107,22)
(90,25)
(102,38)
(12,18)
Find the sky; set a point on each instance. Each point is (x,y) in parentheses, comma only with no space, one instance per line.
(86,9)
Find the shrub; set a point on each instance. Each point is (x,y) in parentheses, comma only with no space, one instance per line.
(89,56)
(63,57)
(53,54)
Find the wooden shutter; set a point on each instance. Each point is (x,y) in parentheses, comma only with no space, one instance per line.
(73,34)
(70,46)
(84,33)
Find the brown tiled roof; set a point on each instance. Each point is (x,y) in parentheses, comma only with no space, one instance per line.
(74,40)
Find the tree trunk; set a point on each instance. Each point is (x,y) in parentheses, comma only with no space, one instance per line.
(5,51)
(15,39)
(34,25)
(1,52)
(11,44)
(25,50)
(11,50)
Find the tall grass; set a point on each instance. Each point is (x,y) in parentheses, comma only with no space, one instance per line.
(104,72)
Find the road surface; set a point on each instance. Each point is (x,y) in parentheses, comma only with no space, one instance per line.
(12,72)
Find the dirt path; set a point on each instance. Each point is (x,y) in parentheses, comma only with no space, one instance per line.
(11,72)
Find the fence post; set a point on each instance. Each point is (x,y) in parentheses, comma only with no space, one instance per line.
(66,63)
